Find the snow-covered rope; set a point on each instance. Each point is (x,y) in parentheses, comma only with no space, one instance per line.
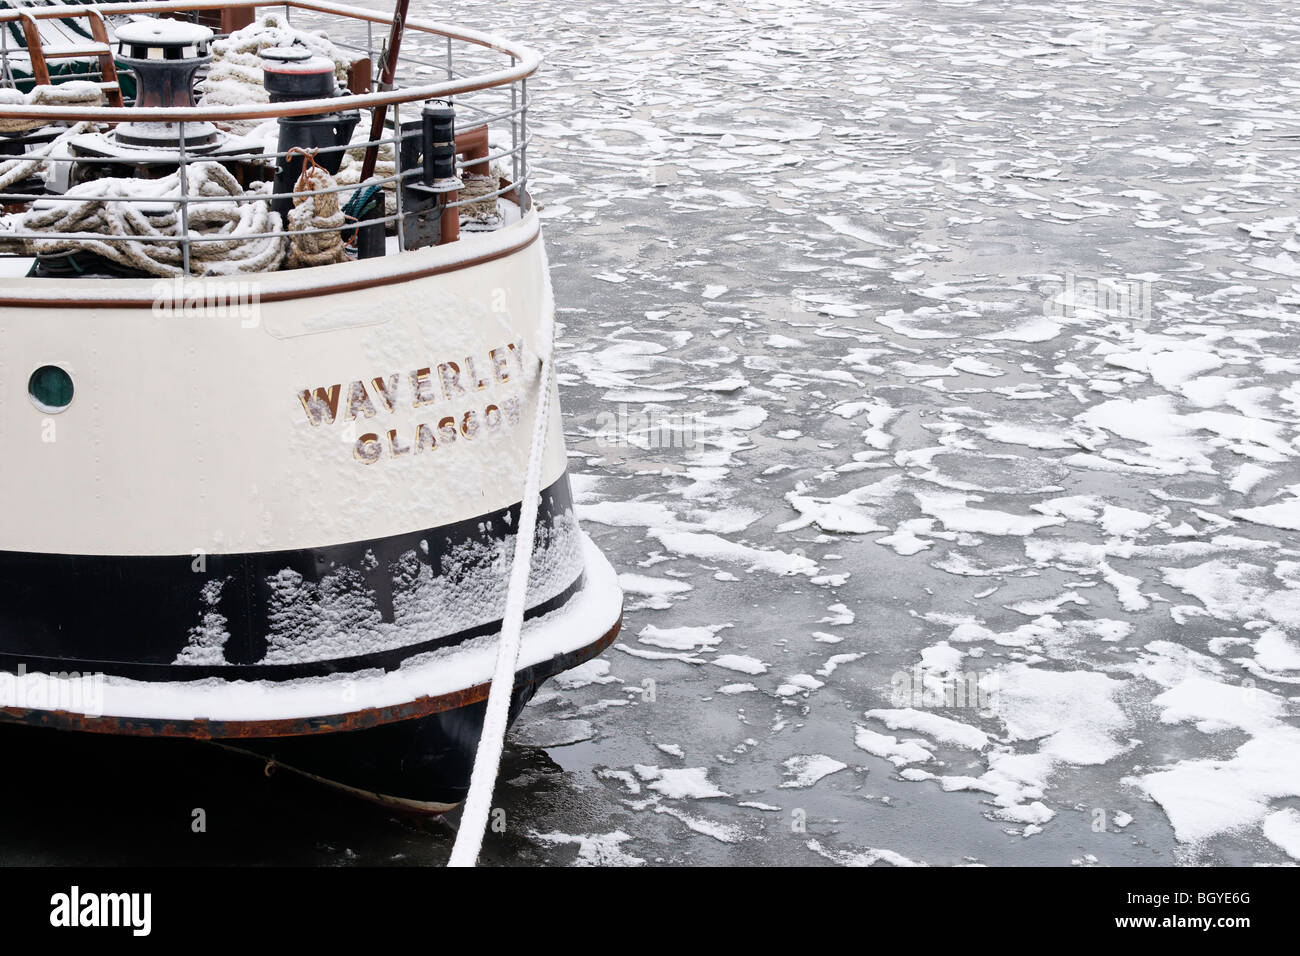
(314,211)
(18,168)
(476,209)
(487,760)
(71,93)
(234,77)
(237,244)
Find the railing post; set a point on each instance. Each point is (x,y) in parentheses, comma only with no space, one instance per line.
(514,132)
(4,55)
(185,204)
(397,172)
(524,202)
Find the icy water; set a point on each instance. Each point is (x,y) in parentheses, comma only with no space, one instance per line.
(930,377)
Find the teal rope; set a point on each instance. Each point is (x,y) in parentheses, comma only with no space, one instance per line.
(357,206)
(360,202)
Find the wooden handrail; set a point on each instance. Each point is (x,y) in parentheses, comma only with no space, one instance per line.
(36,52)
(526,63)
(32,38)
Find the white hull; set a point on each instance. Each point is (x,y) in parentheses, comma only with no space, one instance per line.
(187,434)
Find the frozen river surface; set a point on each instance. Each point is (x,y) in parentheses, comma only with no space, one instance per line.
(930,376)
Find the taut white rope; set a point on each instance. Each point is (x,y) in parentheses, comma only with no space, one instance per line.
(478,803)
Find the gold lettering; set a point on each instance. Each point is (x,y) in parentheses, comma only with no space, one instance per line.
(358,399)
(422,386)
(512,409)
(317,405)
(367,448)
(469,425)
(423,436)
(447,429)
(479,383)
(449,372)
(499,358)
(395,446)
(387,392)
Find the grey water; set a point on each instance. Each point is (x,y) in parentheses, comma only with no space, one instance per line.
(880,268)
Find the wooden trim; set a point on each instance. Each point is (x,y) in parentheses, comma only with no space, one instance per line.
(472,145)
(359,75)
(107,65)
(525,64)
(274,295)
(35,50)
(236,18)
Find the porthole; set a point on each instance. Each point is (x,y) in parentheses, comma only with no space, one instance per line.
(50,388)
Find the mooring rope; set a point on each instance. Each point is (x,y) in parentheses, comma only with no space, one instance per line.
(349,173)
(34,162)
(234,77)
(477,210)
(70,93)
(487,760)
(105,220)
(314,210)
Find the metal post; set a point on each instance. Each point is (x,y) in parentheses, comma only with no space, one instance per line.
(4,53)
(514,132)
(523,145)
(397,171)
(450,73)
(185,205)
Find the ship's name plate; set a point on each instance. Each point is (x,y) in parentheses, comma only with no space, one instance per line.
(445,389)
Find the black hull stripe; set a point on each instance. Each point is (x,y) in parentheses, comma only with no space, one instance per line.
(389,660)
(132,616)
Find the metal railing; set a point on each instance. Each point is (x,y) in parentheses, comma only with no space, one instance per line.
(481,98)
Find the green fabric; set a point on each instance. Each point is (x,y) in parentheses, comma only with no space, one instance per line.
(71,69)
(66,69)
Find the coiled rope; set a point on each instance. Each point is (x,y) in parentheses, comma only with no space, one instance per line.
(22,167)
(479,211)
(350,168)
(234,77)
(487,760)
(237,244)
(314,211)
(70,93)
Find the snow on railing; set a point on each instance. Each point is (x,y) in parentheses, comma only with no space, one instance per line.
(481,98)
